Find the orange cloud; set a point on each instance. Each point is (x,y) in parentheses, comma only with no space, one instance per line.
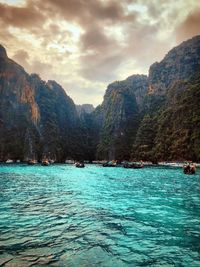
(190,27)
(23,17)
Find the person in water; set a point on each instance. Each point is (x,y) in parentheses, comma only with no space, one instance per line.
(189,168)
(192,168)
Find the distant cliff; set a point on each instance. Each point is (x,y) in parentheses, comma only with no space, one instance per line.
(121,115)
(85,108)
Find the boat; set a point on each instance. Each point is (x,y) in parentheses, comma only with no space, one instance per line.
(79,165)
(132,165)
(32,162)
(45,162)
(189,168)
(69,161)
(9,161)
(110,164)
(171,164)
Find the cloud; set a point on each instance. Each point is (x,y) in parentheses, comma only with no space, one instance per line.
(23,17)
(91,93)
(190,27)
(100,54)
(86,44)
(144,46)
(85,12)
(101,67)
(106,54)
(35,66)
(41,68)
(21,56)
(95,39)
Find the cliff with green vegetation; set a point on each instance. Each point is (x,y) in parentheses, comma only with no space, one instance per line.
(154,117)
(121,116)
(85,108)
(172,132)
(37,119)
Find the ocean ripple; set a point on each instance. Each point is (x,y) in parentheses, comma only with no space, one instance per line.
(62,216)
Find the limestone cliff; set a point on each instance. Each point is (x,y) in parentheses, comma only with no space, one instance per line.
(179,64)
(143,117)
(85,108)
(136,113)
(120,111)
(37,118)
(170,126)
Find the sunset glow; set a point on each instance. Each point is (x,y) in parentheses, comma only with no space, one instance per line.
(85,45)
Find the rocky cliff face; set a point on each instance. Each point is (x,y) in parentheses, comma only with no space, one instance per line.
(170,127)
(85,108)
(37,118)
(15,89)
(19,112)
(179,64)
(172,133)
(120,111)
(137,112)
(150,118)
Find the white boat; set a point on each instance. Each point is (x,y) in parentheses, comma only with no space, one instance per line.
(9,161)
(171,164)
(69,161)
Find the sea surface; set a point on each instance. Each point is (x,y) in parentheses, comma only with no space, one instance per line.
(60,215)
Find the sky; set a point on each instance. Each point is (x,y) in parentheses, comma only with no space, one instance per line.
(86,44)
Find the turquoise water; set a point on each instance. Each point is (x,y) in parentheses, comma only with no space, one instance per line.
(64,216)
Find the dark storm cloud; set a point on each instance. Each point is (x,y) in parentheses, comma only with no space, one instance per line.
(190,27)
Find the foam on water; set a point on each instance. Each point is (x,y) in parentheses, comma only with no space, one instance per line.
(65,216)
